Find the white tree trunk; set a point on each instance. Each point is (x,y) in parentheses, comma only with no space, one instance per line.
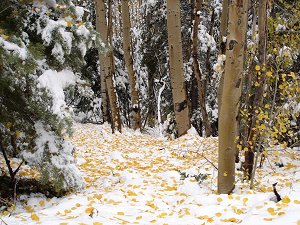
(176,67)
(237,26)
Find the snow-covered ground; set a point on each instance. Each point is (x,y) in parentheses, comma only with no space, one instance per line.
(134,178)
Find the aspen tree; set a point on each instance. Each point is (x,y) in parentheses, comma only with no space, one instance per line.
(109,65)
(180,103)
(197,71)
(129,65)
(237,26)
(101,27)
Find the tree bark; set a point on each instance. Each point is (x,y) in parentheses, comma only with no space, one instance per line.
(224,25)
(109,66)
(180,102)
(237,26)
(197,71)
(129,65)
(222,41)
(101,27)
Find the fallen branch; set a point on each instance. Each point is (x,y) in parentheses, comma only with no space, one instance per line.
(2,221)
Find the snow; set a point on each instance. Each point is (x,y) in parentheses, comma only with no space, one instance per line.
(280,27)
(47,32)
(79,11)
(58,52)
(21,52)
(83,31)
(134,178)
(55,82)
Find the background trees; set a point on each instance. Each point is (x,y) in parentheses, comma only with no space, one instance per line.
(147,72)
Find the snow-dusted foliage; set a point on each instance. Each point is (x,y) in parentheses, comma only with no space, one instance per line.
(42,50)
(55,159)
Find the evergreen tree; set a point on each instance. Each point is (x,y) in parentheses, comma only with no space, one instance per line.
(42,50)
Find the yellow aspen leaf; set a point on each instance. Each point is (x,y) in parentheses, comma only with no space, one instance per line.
(281,213)
(168,188)
(138,217)
(98,196)
(267,106)
(210,220)
(269,73)
(18,133)
(257,67)
(298,222)
(230,220)
(225,174)
(218,214)
(78,205)
(121,213)
(5,213)
(153,221)
(42,203)
(5,37)
(296,201)
(292,74)
(34,217)
(271,211)
(268,219)
(219,199)
(63,223)
(69,23)
(131,193)
(29,208)
(67,211)
(82,224)
(163,214)
(89,210)
(286,200)
(230,197)
(97,223)
(256,84)
(262,127)
(281,87)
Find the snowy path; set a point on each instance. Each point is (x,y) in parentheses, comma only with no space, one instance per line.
(133,178)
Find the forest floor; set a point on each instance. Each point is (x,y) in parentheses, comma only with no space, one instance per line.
(134,178)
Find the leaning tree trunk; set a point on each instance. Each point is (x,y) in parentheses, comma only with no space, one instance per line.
(197,71)
(108,64)
(101,27)
(176,67)
(237,26)
(129,64)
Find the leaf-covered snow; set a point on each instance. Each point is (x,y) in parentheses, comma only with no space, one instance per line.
(134,178)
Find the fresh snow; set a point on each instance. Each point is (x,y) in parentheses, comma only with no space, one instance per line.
(134,178)
(55,82)
(21,52)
